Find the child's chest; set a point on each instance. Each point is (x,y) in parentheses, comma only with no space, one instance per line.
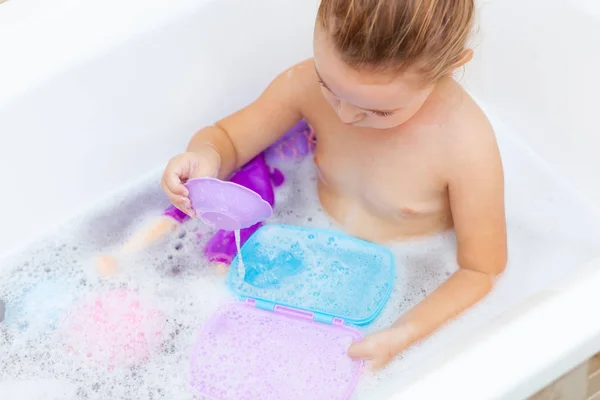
(399,173)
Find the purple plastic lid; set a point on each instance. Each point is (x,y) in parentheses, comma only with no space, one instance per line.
(246,353)
(226,205)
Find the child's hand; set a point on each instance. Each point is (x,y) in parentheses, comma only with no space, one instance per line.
(382,347)
(187,166)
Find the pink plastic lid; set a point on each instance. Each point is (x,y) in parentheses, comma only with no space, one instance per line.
(246,353)
(226,205)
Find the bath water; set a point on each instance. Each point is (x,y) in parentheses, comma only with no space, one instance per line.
(238,241)
(550,231)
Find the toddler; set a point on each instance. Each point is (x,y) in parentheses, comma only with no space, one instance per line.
(402,150)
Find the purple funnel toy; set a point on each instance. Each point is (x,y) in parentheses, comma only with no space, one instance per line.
(227,205)
(256,176)
(259,177)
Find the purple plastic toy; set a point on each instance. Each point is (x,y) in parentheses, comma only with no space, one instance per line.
(296,144)
(247,353)
(227,205)
(257,176)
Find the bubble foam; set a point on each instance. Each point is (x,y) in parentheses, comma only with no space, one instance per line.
(550,232)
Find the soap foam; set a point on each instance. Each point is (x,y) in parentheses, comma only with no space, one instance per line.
(550,233)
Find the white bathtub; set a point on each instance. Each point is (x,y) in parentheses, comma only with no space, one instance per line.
(95,94)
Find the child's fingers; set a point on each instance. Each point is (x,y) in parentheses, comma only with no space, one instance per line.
(362,350)
(378,350)
(174,185)
(374,358)
(187,208)
(183,203)
(173,197)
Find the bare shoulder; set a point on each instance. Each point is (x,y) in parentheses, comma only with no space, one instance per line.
(304,84)
(301,75)
(469,138)
(289,87)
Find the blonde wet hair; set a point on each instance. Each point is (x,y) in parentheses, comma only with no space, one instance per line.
(394,35)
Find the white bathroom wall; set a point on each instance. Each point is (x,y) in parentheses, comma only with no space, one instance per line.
(94,120)
(536,65)
(90,98)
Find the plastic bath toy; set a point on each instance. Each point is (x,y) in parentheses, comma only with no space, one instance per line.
(40,307)
(290,337)
(257,175)
(296,144)
(317,270)
(114,329)
(272,355)
(227,205)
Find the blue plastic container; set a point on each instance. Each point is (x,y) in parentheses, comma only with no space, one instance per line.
(324,272)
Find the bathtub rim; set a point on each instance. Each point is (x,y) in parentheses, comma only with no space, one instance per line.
(487,368)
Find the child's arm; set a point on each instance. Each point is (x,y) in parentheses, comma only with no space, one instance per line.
(232,142)
(476,191)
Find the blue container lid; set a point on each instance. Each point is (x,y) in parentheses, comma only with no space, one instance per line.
(324,272)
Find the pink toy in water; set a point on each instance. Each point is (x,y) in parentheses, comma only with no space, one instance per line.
(114,329)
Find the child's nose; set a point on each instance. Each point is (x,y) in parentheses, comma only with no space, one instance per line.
(348,113)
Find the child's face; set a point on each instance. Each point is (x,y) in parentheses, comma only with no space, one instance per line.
(363,99)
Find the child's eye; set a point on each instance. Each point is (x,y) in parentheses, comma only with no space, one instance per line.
(383,113)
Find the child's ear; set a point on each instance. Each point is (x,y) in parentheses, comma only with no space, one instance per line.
(464,58)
